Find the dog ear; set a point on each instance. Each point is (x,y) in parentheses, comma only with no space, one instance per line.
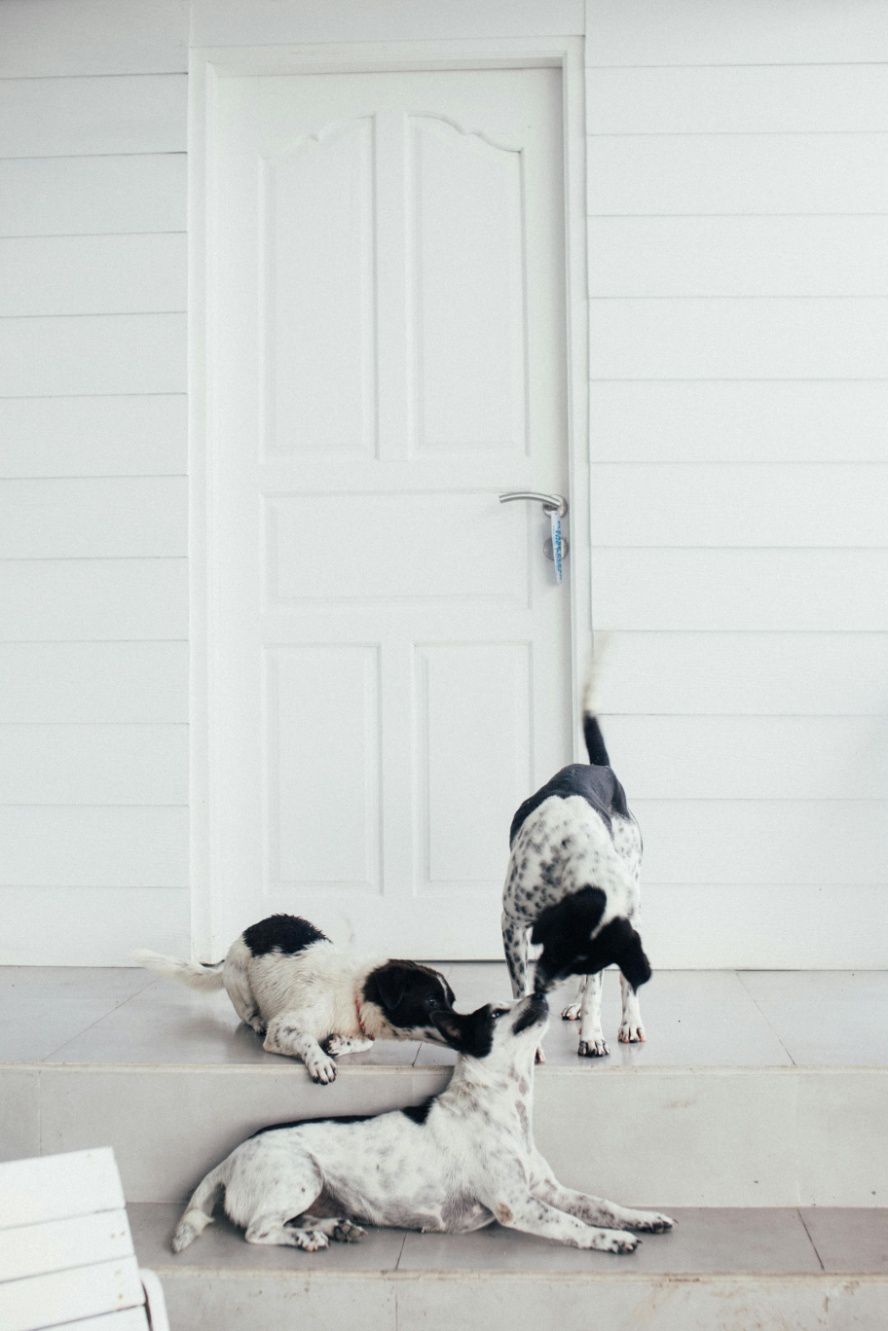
(574,917)
(450,1026)
(633,962)
(387,986)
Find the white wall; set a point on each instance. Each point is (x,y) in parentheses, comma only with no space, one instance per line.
(737,204)
(93,498)
(737,267)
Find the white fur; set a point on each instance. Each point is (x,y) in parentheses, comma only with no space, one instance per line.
(471,1162)
(308,1004)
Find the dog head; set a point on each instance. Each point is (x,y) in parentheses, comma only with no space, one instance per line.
(575,943)
(498,1034)
(405,995)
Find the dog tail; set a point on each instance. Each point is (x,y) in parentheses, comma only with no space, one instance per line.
(199,1211)
(196,975)
(595,745)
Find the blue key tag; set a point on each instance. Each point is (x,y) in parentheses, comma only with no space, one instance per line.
(555,519)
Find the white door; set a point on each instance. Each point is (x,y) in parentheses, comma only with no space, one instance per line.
(389,650)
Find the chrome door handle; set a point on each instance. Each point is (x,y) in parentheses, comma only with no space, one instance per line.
(551,503)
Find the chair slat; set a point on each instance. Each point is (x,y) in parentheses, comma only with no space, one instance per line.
(38,1302)
(53,1187)
(59,1245)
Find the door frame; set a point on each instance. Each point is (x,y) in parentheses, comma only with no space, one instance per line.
(207,66)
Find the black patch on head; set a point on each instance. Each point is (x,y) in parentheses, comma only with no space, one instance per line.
(282,933)
(408,993)
(304,1122)
(471,1035)
(419,1113)
(565,931)
(598,786)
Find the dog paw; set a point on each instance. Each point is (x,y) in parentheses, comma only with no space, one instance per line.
(614,1240)
(310,1240)
(346,1232)
(592,1049)
(571,1012)
(322,1070)
(651,1222)
(336,1045)
(632,1033)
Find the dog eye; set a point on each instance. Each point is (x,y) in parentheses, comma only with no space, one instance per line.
(499,1012)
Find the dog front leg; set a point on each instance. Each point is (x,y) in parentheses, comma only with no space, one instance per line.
(595,1210)
(285,1037)
(631,1029)
(591,1036)
(532,1216)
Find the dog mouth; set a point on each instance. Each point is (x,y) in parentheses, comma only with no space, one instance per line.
(536,1011)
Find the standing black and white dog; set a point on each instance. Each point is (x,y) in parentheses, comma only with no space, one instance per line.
(458,1162)
(312,1000)
(573,879)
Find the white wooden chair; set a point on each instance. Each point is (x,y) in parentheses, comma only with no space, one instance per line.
(66,1252)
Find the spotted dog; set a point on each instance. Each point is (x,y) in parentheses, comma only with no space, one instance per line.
(454,1164)
(573,879)
(310,999)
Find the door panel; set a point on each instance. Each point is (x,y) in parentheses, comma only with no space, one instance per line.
(389,651)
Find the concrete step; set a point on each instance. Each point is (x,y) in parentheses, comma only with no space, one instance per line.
(720,1270)
(753,1089)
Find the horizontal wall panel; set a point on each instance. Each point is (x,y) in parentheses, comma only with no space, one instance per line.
(94,436)
(94,682)
(737,173)
(92,846)
(231,23)
(741,674)
(751,757)
(90,518)
(56,37)
(88,599)
(730,504)
(788,590)
(93,764)
(720,99)
(757,31)
(92,926)
(93,274)
(82,117)
(762,928)
(93,354)
(786,842)
(738,256)
(69,196)
(719,421)
(739,339)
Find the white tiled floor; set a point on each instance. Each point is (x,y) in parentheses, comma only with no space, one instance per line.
(751,1240)
(709,1018)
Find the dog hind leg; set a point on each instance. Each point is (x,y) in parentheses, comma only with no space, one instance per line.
(285,1037)
(591,1043)
(631,1029)
(573,1010)
(515,947)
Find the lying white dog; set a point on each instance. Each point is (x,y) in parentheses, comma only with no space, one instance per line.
(456,1163)
(312,1000)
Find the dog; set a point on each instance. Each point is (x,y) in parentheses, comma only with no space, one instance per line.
(309,999)
(460,1161)
(573,879)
